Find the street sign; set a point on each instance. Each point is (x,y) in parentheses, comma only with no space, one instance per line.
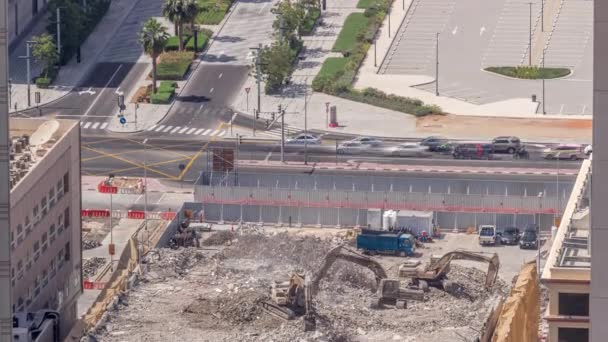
(123,120)
(37,97)
(247,90)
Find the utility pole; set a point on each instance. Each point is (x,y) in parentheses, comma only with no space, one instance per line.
(389,21)
(543,82)
(437,64)
(10,92)
(375,61)
(306,121)
(258,76)
(542,15)
(146,192)
(530,38)
(282,114)
(27,57)
(6,295)
(58,32)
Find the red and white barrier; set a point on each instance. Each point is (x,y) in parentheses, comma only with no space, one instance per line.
(131,214)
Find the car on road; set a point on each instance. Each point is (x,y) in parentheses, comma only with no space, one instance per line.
(434,143)
(487,235)
(588,150)
(509,236)
(529,240)
(508,145)
(302,139)
(352,147)
(369,141)
(572,152)
(473,150)
(410,150)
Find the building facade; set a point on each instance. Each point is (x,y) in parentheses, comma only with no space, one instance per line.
(567,272)
(22,14)
(45,217)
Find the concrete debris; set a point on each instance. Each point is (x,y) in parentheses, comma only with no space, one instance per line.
(193,294)
(91,266)
(90,244)
(218,238)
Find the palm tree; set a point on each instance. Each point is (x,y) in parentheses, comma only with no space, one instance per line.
(174,10)
(191,10)
(153,37)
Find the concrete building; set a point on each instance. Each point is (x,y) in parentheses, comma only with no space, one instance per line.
(22,14)
(45,216)
(567,272)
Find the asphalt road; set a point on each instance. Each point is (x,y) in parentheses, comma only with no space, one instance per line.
(162,157)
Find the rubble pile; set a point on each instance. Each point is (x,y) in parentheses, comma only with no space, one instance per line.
(90,244)
(218,238)
(91,266)
(190,293)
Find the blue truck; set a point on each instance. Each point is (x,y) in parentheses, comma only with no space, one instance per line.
(387,243)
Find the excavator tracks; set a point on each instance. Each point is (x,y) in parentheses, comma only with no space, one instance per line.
(278,311)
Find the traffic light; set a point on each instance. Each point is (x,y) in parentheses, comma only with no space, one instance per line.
(239,139)
(272,114)
(257,114)
(121,101)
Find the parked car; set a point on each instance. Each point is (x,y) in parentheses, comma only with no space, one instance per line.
(434,143)
(410,150)
(529,240)
(487,235)
(588,149)
(302,138)
(572,152)
(473,150)
(352,147)
(509,236)
(506,145)
(370,141)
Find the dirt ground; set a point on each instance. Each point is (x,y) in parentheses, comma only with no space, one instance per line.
(213,293)
(562,130)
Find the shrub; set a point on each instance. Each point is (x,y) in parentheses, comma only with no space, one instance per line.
(161,98)
(167,87)
(310,20)
(43,82)
(174,65)
(212,11)
(172,43)
(530,72)
(354,25)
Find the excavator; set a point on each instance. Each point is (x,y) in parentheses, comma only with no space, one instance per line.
(436,273)
(295,297)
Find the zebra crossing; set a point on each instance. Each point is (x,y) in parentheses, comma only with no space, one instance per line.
(210,132)
(276,132)
(93,125)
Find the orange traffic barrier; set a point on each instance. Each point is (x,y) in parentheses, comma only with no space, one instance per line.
(167,215)
(136,214)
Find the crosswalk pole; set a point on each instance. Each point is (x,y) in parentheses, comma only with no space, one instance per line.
(282,113)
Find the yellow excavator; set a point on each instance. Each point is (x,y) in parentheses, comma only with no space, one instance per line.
(436,273)
(294,297)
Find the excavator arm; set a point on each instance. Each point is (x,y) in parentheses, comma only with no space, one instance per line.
(440,268)
(347,254)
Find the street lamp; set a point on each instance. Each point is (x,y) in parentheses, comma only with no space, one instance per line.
(540,207)
(530,38)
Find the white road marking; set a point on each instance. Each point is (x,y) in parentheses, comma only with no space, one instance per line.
(211,91)
(584,107)
(151,128)
(221,74)
(87,124)
(482,30)
(104,125)
(175,130)
(222,133)
(101,92)
(215,132)
(561,109)
(268,156)
(95,125)
(183,130)
(159,128)
(161,198)
(206,132)
(199,131)
(455,30)
(191,130)
(81,123)
(201,107)
(167,129)
(233,117)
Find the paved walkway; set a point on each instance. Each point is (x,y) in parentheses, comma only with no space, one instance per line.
(71,73)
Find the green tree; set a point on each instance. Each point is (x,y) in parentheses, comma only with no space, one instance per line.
(153,37)
(72,26)
(191,10)
(44,51)
(293,16)
(175,11)
(276,65)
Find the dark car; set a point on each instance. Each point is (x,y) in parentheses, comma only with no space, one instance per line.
(529,240)
(509,236)
(434,143)
(506,144)
(474,150)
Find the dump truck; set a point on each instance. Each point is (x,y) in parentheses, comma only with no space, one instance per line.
(387,243)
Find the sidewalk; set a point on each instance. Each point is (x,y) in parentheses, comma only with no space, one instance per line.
(72,73)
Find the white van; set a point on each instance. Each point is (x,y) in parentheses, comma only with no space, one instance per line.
(487,235)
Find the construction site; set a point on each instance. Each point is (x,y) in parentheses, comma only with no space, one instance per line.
(270,284)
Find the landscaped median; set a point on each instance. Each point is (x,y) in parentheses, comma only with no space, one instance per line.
(174,65)
(337,74)
(164,94)
(212,11)
(530,72)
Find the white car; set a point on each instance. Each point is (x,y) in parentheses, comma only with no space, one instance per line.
(352,147)
(367,141)
(588,149)
(302,139)
(410,150)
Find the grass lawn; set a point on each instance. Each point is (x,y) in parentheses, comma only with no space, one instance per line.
(173,65)
(530,73)
(332,66)
(212,11)
(366,3)
(354,25)
(203,38)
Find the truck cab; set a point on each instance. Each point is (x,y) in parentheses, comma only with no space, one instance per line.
(407,244)
(487,235)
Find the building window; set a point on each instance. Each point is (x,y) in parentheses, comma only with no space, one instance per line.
(66,182)
(52,268)
(573,304)
(52,233)
(28,225)
(20,269)
(36,250)
(52,197)
(43,206)
(67,251)
(44,241)
(19,234)
(66,218)
(35,213)
(45,279)
(59,189)
(572,335)
(28,263)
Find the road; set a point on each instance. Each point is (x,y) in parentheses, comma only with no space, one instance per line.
(163,157)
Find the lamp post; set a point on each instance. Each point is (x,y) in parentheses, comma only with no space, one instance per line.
(306,121)
(540,207)
(530,38)
(543,83)
(327,114)
(437,64)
